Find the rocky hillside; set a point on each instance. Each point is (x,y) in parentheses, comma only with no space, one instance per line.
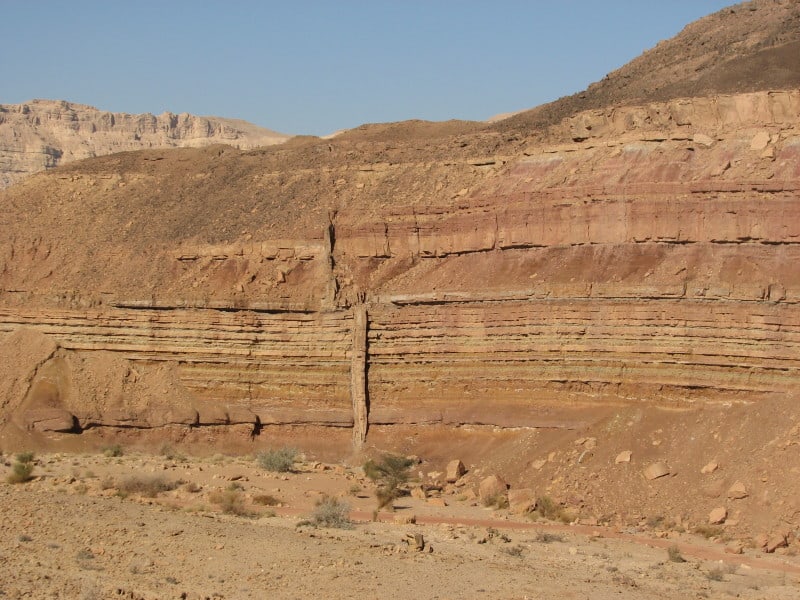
(42,134)
(743,48)
(537,298)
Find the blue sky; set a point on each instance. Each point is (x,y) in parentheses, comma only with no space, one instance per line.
(314,66)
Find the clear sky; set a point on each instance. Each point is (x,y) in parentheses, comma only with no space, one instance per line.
(316,66)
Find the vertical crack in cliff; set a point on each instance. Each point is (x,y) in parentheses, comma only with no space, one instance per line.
(331,299)
(358,376)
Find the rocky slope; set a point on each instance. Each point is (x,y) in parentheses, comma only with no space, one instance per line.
(627,274)
(91,526)
(746,47)
(42,134)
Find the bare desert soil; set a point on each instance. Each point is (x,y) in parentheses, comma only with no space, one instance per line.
(73,532)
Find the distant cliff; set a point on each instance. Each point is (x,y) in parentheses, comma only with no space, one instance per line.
(42,134)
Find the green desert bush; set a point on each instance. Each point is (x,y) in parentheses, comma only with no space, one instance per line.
(278,460)
(390,473)
(20,472)
(25,457)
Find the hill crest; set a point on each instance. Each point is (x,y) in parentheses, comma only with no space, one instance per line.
(42,134)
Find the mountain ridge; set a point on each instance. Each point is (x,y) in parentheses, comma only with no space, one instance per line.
(746,47)
(42,134)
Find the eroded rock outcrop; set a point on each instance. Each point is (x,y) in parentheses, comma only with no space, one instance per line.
(42,134)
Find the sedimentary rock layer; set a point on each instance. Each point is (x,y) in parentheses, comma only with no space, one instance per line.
(643,255)
(221,367)
(503,362)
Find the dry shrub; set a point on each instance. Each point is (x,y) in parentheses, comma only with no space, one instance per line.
(547,508)
(709,531)
(279,460)
(674,554)
(148,486)
(231,502)
(170,453)
(331,512)
(496,501)
(192,487)
(266,500)
(515,551)
(113,451)
(544,537)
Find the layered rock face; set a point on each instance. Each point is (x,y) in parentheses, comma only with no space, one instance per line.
(640,255)
(651,259)
(42,134)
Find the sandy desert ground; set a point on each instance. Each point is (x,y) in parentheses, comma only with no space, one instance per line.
(74,531)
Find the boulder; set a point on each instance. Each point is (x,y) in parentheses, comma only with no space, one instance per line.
(455,470)
(656,470)
(418,492)
(491,488)
(760,140)
(521,501)
(415,541)
(709,468)
(775,541)
(737,491)
(718,515)
(761,541)
(623,457)
(734,547)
